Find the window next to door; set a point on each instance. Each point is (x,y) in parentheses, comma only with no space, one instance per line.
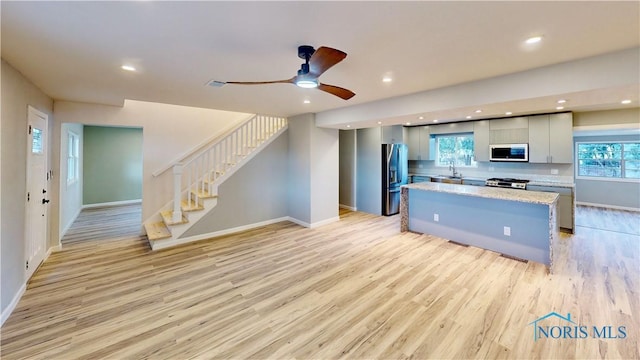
(73,164)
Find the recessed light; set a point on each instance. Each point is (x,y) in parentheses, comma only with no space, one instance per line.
(348,126)
(387,79)
(420,117)
(478,111)
(508,113)
(562,101)
(307,101)
(469,117)
(408,123)
(627,101)
(128,68)
(559,107)
(379,122)
(533,40)
(435,120)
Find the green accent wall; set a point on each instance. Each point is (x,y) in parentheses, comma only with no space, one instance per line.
(112,164)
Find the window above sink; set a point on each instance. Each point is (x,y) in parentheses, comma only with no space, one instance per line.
(455,149)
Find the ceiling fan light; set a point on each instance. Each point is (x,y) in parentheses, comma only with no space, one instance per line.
(307,83)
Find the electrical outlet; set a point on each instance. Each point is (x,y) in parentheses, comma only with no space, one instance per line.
(436,217)
(419,166)
(507,231)
(554,171)
(491,168)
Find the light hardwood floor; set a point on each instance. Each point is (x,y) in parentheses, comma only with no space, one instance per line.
(105,223)
(354,289)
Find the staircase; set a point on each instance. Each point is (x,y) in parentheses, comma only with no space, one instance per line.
(196,181)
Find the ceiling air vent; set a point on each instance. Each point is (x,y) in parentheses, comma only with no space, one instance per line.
(216,83)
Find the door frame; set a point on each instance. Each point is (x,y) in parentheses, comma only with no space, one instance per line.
(31,112)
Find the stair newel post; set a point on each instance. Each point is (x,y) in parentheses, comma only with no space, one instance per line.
(177,186)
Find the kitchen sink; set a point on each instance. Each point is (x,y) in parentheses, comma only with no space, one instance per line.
(447,179)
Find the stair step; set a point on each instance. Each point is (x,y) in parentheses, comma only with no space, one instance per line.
(157,231)
(167,216)
(204,194)
(192,206)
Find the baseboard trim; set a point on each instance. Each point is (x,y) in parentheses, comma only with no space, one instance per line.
(12,305)
(163,244)
(606,206)
(315,224)
(352,208)
(112,203)
(159,244)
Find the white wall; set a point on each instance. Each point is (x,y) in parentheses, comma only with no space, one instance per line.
(608,126)
(70,194)
(324,164)
(17,93)
(347,187)
(168,130)
(369,170)
(313,172)
(299,198)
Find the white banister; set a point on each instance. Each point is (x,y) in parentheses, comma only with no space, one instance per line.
(199,174)
(177,193)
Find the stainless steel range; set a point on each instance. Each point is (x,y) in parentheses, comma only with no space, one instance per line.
(507,183)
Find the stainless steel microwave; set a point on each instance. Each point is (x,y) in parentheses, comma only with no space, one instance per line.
(509,152)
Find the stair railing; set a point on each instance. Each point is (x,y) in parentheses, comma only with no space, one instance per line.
(201,172)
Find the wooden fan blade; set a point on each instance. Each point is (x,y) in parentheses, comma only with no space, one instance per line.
(337,91)
(324,58)
(288,81)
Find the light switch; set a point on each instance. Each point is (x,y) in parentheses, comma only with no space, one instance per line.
(507,231)
(436,217)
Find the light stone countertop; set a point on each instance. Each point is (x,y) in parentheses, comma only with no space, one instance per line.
(540,182)
(534,197)
(551,183)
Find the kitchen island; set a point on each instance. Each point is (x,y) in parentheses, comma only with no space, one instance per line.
(516,223)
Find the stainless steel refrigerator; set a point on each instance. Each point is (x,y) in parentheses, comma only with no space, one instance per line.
(394,175)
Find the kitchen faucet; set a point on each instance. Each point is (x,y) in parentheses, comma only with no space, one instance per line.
(452,167)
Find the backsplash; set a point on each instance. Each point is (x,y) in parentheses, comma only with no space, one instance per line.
(539,172)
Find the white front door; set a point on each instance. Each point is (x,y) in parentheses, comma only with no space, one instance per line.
(37,195)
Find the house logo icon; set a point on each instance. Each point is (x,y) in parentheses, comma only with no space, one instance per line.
(537,329)
(565,328)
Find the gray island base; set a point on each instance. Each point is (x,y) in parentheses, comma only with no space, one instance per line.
(516,223)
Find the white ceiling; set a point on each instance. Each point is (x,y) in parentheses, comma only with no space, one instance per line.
(73,50)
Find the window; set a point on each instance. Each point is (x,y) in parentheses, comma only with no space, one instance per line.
(456,149)
(72,158)
(36,141)
(617,160)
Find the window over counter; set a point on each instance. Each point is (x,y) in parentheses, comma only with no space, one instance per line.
(456,149)
(608,160)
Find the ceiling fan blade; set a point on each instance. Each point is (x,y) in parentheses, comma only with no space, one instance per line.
(337,91)
(287,81)
(324,58)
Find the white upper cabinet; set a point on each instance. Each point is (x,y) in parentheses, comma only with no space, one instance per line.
(481,140)
(393,134)
(418,142)
(551,138)
(561,138)
(509,131)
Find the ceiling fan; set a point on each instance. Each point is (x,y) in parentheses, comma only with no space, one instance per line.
(316,63)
